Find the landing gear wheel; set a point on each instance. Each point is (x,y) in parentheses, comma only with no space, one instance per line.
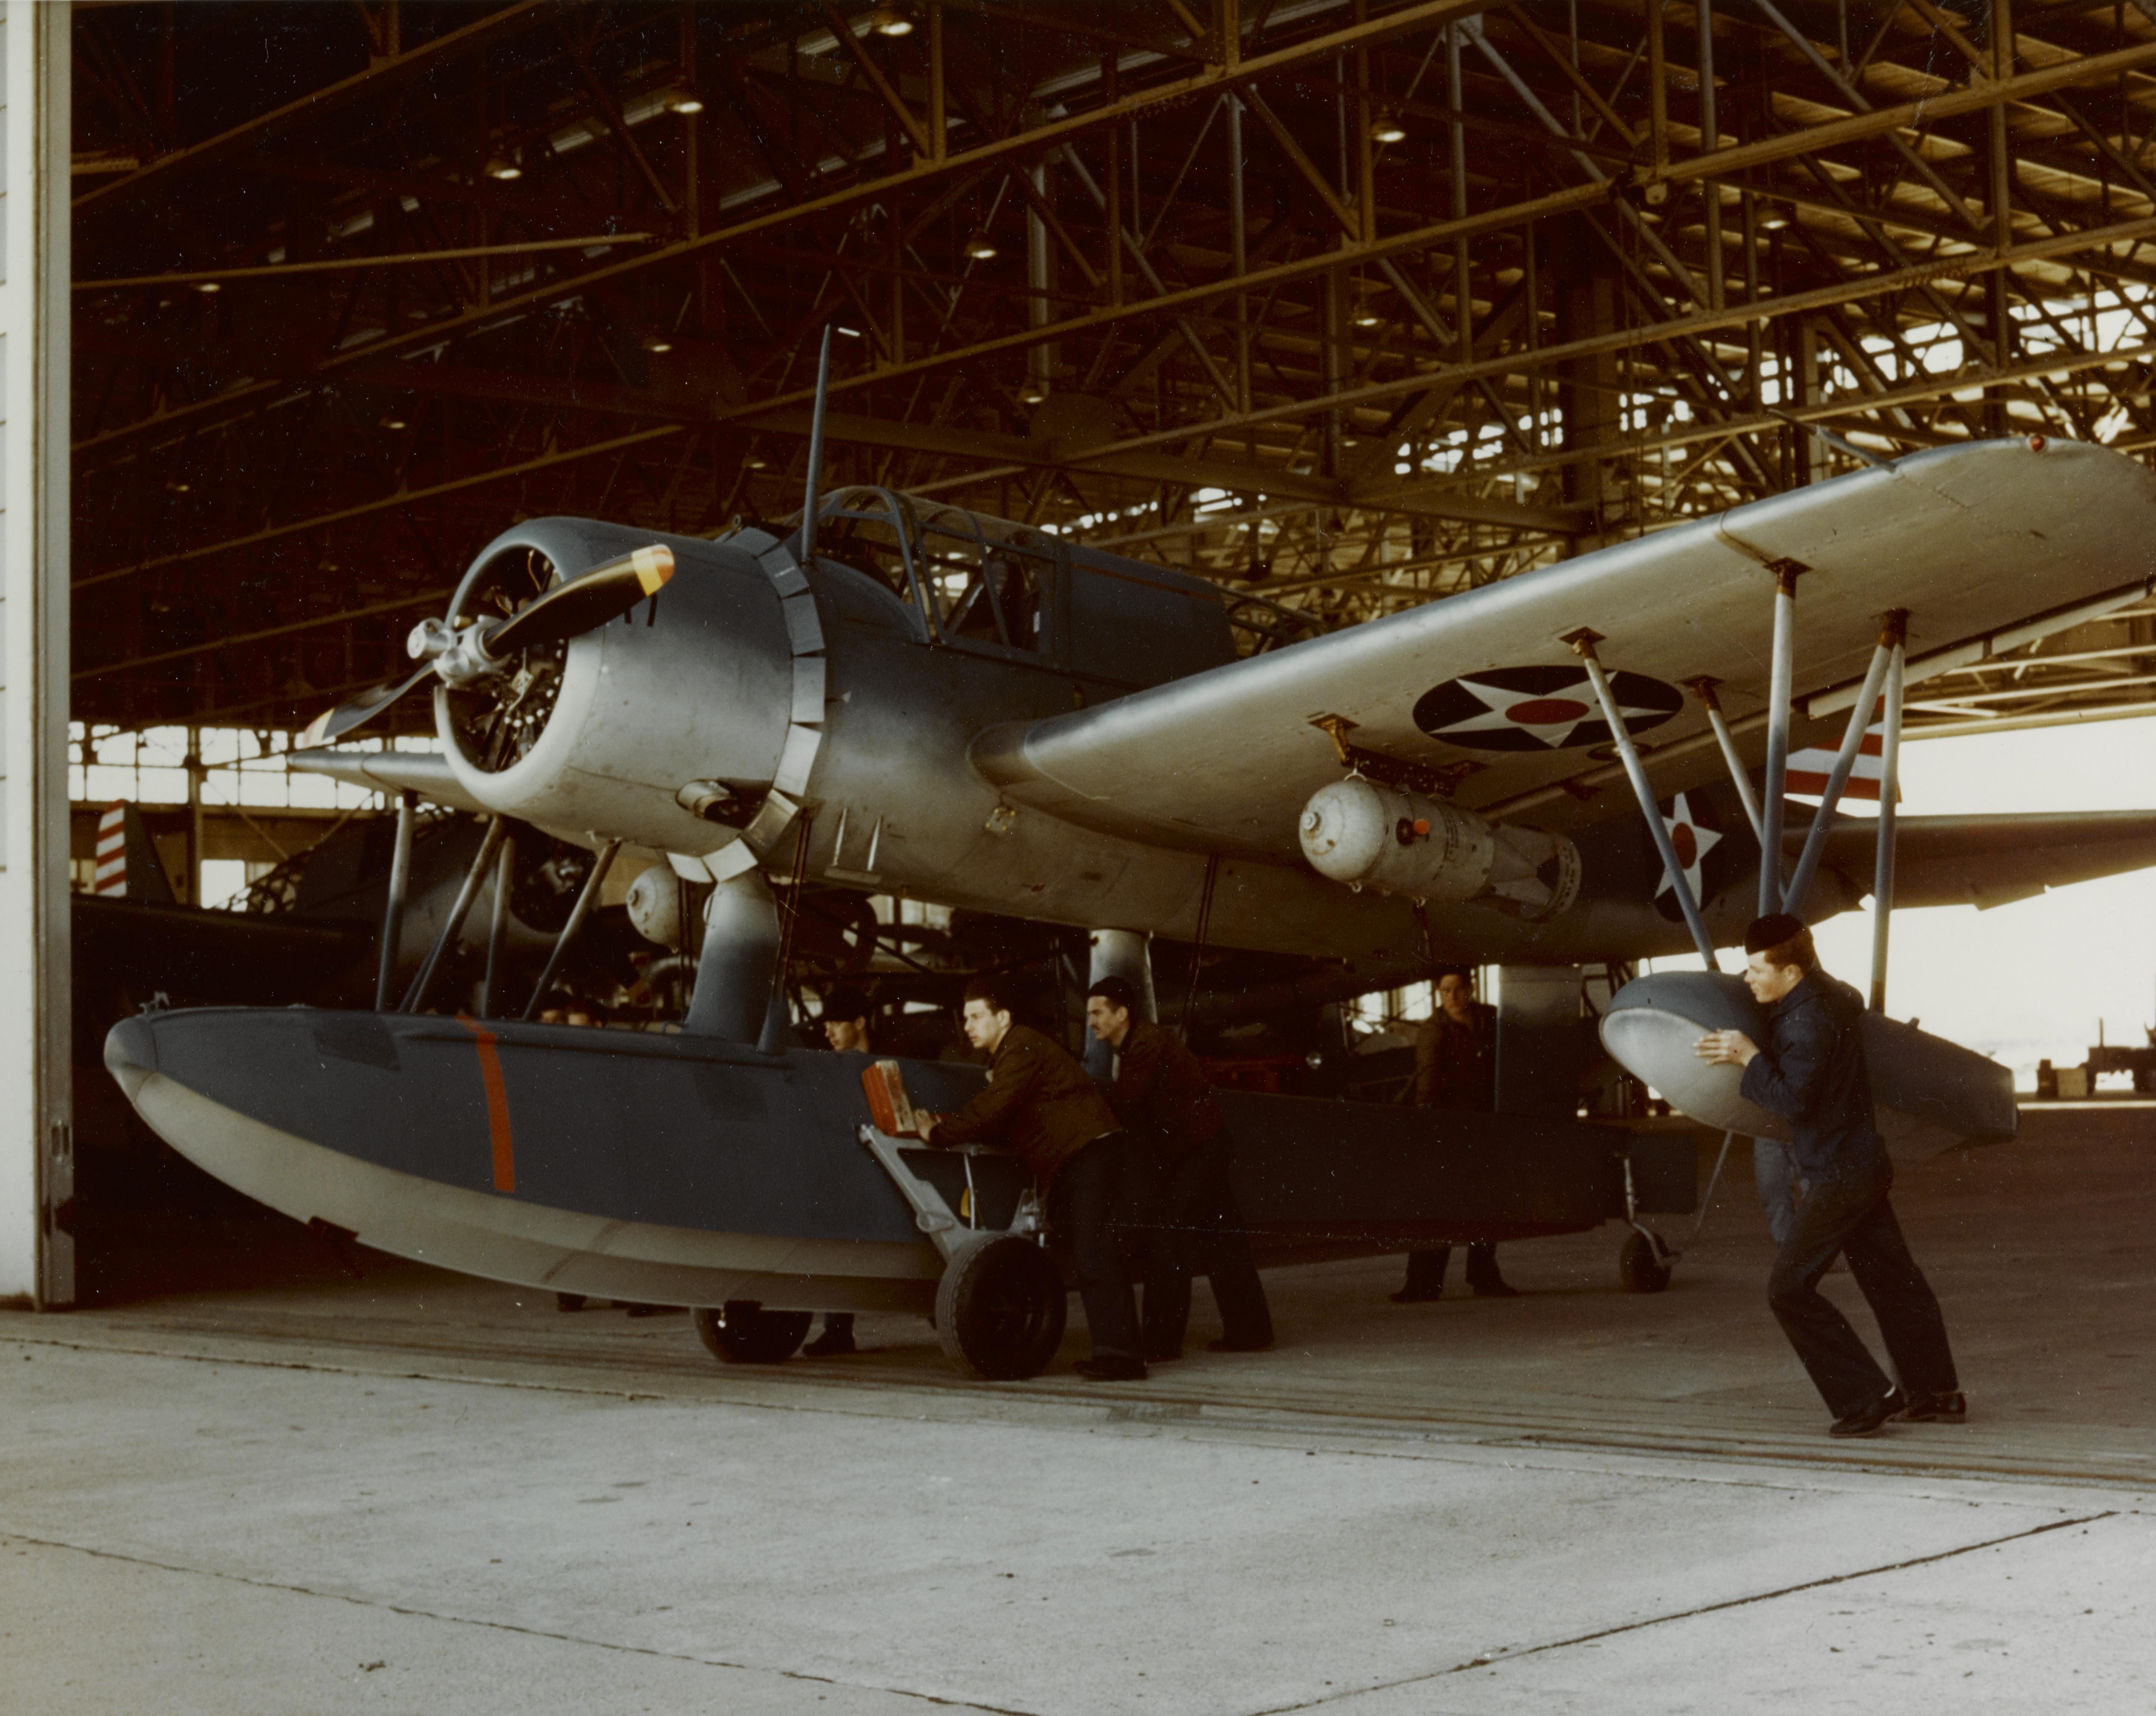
(1639,1266)
(1000,1307)
(744,1333)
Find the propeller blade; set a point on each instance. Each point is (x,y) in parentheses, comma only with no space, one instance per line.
(332,724)
(569,610)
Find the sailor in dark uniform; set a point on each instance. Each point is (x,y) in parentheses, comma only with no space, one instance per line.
(1811,1071)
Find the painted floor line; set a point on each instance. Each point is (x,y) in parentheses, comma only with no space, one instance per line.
(567,1638)
(1221,1421)
(1495,1659)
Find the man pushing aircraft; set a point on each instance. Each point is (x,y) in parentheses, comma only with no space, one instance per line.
(1038,1099)
(1811,1072)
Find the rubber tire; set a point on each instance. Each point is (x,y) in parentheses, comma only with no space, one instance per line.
(1639,1270)
(744,1333)
(1001,1306)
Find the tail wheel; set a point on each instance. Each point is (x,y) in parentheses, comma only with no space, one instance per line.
(1639,1266)
(744,1333)
(1000,1307)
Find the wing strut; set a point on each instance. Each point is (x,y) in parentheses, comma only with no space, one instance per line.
(1781,675)
(1852,739)
(1890,785)
(1583,643)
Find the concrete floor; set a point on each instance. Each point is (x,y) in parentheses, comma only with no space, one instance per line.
(255,1484)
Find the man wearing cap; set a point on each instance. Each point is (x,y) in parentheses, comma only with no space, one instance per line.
(1456,1070)
(1181,1154)
(1038,1099)
(1812,1072)
(845,1023)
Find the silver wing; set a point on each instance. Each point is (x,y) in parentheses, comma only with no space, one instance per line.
(1973,541)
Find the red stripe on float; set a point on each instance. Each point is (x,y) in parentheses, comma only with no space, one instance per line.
(497,1106)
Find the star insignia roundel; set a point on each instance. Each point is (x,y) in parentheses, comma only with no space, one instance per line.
(1539,708)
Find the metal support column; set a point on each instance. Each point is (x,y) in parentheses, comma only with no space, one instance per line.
(1890,787)
(1119,952)
(37,1146)
(1780,673)
(1583,643)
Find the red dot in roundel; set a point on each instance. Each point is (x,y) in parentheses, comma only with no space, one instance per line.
(1687,844)
(1545,712)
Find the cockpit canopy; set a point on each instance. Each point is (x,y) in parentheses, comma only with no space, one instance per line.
(983,582)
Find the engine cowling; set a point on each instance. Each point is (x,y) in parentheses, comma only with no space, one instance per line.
(609,729)
(1366,835)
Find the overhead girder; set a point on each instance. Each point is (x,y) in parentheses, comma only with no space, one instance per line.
(246,452)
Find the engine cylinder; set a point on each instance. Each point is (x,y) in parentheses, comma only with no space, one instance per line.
(606,730)
(1367,835)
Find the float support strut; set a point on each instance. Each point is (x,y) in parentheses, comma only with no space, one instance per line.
(497,928)
(578,913)
(392,911)
(416,997)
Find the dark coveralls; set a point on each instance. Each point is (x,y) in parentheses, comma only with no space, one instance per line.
(1456,1069)
(1811,1071)
(1039,1100)
(1182,1199)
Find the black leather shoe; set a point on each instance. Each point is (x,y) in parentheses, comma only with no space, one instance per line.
(1113,1367)
(1163,1358)
(1405,1297)
(1873,1419)
(1937,1409)
(1225,1345)
(1494,1290)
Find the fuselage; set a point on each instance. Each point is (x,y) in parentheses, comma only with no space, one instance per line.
(718,693)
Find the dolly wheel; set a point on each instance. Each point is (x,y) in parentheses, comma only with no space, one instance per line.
(1639,1268)
(744,1333)
(1000,1307)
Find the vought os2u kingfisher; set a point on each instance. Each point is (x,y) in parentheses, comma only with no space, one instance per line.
(906,698)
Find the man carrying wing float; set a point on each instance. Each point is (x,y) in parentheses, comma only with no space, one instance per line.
(1812,1072)
(1039,1100)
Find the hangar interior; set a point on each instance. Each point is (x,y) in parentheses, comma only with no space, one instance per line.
(1343,305)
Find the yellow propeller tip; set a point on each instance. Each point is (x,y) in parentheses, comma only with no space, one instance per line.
(653,565)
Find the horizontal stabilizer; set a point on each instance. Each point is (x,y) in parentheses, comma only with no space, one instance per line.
(1992,861)
(426,773)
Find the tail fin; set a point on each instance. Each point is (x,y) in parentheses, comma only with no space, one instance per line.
(128,867)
